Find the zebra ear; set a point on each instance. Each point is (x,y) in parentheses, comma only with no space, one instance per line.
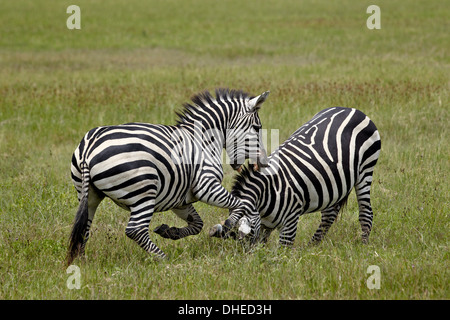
(255,103)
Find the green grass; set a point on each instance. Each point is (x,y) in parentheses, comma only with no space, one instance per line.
(139,61)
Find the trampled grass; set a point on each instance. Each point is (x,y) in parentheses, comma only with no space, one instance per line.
(139,61)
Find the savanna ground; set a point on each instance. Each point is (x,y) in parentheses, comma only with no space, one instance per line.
(141,60)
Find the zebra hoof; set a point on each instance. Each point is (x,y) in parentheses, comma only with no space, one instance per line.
(157,257)
(216,231)
(161,230)
(167,232)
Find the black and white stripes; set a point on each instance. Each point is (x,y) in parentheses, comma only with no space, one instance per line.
(314,170)
(147,168)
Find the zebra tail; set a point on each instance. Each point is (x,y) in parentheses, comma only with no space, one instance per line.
(81,218)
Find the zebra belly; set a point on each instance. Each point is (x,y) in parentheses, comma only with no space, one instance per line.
(126,188)
(129,196)
(134,186)
(289,203)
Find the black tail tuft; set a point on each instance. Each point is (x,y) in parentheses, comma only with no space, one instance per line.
(78,230)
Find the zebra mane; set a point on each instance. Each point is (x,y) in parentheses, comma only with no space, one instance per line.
(204,101)
(239,180)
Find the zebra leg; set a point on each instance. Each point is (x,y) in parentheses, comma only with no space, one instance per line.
(94,200)
(216,195)
(365,209)
(223,229)
(288,232)
(219,196)
(265,234)
(328,217)
(188,214)
(137,228)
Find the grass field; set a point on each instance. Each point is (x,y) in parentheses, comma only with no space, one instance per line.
(141,60)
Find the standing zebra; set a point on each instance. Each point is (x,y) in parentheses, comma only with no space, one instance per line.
(147,168)
(314,170)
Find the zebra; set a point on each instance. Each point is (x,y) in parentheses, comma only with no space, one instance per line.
(313,170)
(146,168)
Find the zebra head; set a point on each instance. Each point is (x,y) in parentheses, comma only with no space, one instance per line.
(243,138)
(243,221)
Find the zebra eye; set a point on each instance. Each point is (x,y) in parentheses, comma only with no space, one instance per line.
(257,127)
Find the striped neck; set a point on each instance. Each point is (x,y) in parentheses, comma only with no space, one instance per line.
(246,186)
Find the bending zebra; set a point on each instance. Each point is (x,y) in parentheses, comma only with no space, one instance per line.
(315,169)
(147,168)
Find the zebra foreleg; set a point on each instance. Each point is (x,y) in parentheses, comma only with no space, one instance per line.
(188,214)
(216,195)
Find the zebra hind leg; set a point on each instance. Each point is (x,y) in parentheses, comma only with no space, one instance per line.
(94,200)
(188,214)
(365,208)
(137,228)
